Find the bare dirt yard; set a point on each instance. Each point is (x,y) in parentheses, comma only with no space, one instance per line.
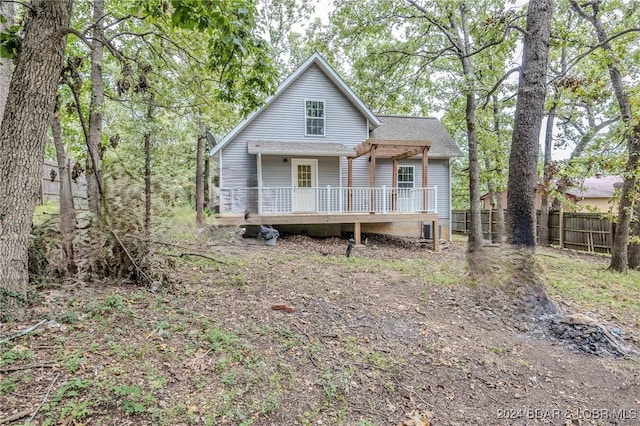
(394,335)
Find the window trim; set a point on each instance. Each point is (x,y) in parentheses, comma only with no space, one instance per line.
(324,118)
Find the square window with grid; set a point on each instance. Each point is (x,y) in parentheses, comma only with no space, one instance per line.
(314,115)
(405,177)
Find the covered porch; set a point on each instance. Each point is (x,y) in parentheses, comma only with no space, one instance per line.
(305,202)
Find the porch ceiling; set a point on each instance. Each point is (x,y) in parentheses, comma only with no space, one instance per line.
(328,149)
(394,149)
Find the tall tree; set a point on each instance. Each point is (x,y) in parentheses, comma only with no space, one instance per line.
(523,159)
(23,133)
(545,203)
(94,140)
(67,211)
(592,13)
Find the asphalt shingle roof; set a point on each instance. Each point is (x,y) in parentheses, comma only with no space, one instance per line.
(418,128)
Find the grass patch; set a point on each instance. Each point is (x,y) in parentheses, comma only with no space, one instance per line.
(587,280)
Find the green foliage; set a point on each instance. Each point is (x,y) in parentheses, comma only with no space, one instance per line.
(17,353)
(10,41)
(242,60)
(8,386)
(112,303)
(133,400)
(218,338)
(71,388)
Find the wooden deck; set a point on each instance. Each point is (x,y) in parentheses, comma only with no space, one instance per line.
(319,219)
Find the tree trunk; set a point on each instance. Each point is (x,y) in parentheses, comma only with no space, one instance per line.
(207,177)
(619,251)
(500,232)
(491,193)
(23,136)
(545,205)
(147,184)
(199,183)
(526,130)
(94,142)
(475,231)
(67,211)
(634,247)
(499,216)
(6,9)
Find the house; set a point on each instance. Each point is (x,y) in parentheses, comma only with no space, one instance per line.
(592,194)
(317,160)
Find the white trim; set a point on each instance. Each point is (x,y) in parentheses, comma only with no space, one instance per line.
(220,171)
(259,171)
(329,72)
(324,118)
(450,229)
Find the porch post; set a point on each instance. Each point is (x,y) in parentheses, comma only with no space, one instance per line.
(356,233)
(394,185)
(259,171)
(372,178)
(436,239)
(350,184)
(425,170)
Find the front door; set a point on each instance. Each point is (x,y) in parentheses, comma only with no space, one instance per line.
(304,178)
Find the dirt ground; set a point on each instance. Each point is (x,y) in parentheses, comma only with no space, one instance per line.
(390,336)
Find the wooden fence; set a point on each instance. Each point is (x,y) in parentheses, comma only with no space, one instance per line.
(50,185)
(579,231)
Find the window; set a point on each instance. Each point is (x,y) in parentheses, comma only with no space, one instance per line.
(314,117)
(304,176)
(405,176)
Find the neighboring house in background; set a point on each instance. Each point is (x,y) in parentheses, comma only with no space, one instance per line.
(316,159)
(593,194)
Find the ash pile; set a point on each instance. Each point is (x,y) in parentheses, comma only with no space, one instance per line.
(589,336)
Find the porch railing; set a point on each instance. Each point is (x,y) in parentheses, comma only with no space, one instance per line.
(328,200)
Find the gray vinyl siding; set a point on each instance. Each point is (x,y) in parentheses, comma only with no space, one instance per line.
(284,120)
(438,175)
(276,173)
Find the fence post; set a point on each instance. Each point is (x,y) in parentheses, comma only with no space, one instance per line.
(561,224)
(467,221)
(611,235)
(490,224)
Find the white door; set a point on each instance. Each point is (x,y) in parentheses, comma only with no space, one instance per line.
(304,178)
(406,192)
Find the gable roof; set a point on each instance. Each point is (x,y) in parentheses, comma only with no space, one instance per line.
(329,72)
(418,128)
